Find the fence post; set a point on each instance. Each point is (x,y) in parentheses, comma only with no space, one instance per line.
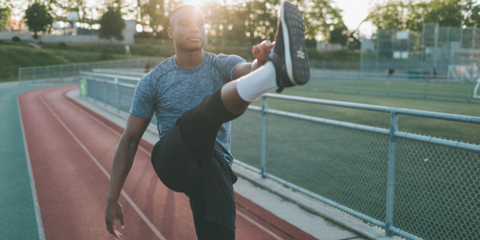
(359,86)
(105,92)
(469,89)
(74,71)
(33,74)
(94,87)
(392,156)
(118,95)
(425,91)
(264,136)
(388,87)
(19,76)
(61,72)
(48,73)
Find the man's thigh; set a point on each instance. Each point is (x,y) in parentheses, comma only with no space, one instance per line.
(174,165)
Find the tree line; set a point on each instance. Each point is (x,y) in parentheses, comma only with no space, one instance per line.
(410,15)
(233,21)
(249,21)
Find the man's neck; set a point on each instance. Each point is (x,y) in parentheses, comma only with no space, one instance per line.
(189,60)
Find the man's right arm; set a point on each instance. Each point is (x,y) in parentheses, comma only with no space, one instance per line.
(122,163)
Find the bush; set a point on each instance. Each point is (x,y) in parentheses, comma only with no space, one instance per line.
(16,39)
(63,45)
(105,55)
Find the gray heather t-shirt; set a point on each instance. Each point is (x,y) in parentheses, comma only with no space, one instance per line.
(169,91)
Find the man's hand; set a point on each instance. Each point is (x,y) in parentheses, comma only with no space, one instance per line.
(260,52)
(114,211)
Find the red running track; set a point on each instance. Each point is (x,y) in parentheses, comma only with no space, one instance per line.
(71,151)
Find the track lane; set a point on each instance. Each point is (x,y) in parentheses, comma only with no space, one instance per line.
(72,188)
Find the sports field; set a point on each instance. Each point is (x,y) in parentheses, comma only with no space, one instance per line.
(425,126)
(408,88)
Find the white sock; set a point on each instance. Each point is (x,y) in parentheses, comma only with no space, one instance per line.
(254,84)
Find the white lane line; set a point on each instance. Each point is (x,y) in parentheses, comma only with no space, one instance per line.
(105,125)
(259,226)
(124,194)
(36,206)
(149,154)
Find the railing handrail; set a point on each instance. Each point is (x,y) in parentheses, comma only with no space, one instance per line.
(110,75)
(77,64)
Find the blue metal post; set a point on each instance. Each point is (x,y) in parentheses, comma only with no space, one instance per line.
(425,91)
(469,90)
(264,136)
(388,87)
(359,86)
(118,95)
(105,92)
(392,156)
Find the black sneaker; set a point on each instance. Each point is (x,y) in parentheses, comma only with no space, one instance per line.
(289,55)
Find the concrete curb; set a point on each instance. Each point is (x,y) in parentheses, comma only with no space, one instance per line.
(350,223)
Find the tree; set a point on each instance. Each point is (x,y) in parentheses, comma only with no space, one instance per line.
(339,34)
(398,15)
(4,16)
(153,12)
(111,24)
(319,16)
(392,15)
(38,18)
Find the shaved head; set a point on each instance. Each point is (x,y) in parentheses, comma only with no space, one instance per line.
(180,7)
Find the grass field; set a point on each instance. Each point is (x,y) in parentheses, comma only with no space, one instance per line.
(435,186)
(413,89)
(23,55)
(432,127)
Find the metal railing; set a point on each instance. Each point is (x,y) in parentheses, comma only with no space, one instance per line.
(396,85)
(65,72)
(411,185)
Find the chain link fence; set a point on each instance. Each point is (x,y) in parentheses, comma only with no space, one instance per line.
(411,185)
(397,85)
(66,72)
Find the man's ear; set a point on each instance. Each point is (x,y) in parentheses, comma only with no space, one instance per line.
(170,32)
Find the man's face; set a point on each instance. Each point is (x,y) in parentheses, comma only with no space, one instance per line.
(188,29)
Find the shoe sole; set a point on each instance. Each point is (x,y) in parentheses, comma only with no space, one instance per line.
(293,28)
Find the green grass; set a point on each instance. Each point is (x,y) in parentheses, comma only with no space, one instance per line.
(425,126)
(23,55)
(435,186)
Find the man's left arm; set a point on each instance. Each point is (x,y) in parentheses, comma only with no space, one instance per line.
(260,52)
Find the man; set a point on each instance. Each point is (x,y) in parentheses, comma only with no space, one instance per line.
(194,95)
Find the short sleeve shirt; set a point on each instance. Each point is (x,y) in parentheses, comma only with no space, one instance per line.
(168,91)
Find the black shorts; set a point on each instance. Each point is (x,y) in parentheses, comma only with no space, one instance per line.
(209,186)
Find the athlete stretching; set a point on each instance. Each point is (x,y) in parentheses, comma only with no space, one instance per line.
(194,95)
